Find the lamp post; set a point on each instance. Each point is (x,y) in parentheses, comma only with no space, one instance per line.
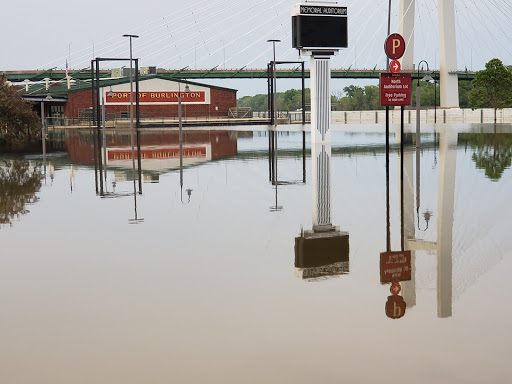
(187,90)
(274,41)
(43,129)
(418,100)
(131,98)
(435,99)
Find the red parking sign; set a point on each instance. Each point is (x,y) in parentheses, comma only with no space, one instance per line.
(394,46)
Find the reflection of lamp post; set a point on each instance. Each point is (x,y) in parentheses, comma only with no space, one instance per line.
(189,194)
(418,101)
(426,215)
(131,98)
(187,90)
(274,41)
(276,207)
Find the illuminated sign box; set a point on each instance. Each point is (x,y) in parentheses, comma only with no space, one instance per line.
(319,27)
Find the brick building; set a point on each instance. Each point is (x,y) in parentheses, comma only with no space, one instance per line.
(158,98)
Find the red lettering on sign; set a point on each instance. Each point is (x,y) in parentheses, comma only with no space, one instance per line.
(157,153)
(158,97)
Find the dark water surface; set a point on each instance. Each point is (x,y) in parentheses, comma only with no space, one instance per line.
(201,284)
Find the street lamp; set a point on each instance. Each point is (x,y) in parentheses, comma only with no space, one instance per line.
(274,41)
(418,100)
(43,129)
(131,98)
(435,99)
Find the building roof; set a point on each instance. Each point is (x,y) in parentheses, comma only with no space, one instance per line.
(61,89)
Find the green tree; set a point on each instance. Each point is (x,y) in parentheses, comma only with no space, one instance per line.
(18,122)
(291,100)
(356,96)
(492,87)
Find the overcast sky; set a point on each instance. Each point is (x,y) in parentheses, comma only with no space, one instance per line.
(232,34)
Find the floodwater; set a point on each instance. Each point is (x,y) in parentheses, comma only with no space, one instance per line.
(223,279)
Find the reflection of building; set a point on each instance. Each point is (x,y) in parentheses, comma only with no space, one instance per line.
(324,251)
(159,149)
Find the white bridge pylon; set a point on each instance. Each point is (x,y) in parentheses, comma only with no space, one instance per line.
(447,47)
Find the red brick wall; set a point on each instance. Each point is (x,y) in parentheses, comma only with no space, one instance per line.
(218,98)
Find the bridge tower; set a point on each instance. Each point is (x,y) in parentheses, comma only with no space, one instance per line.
(447,47)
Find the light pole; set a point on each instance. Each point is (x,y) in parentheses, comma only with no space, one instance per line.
(418,100)
(274,41)
(43,130)
(435,99)
(131,99)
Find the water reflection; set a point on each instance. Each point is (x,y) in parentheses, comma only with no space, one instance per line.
(403,263)
(493,152)
(19,183)
(199,276)
(273,166)
(159,149)
(324,250)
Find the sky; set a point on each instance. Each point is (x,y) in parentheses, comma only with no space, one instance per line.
(233,34)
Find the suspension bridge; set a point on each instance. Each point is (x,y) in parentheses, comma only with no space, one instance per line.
(227,39)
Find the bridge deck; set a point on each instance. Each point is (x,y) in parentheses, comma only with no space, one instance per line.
(52,74)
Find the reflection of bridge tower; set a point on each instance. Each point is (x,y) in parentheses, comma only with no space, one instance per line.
(323,251)
(443,246)
(447,47)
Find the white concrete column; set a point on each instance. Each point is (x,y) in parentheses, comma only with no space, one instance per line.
(320,99)
(449,83)
(321,185)
(406,29)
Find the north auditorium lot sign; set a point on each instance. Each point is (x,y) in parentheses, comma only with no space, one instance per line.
(395,89)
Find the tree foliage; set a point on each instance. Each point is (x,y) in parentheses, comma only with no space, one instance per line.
(18,122)
(492,87)
(291,100)
(354,98)
(19,184)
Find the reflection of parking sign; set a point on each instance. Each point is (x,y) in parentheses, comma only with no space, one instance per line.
(216,108)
